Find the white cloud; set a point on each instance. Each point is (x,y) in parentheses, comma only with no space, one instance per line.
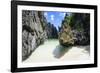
(52,17)
(45,14)
(62,14)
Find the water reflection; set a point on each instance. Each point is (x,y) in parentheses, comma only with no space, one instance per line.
(59,51)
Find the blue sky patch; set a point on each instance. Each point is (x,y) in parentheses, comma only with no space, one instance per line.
(55,18)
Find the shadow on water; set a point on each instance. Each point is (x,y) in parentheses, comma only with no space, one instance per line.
(59,51)
(86,48)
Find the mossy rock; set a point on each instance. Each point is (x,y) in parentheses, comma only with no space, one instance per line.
(66,36)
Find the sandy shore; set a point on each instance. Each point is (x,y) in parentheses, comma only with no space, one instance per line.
(52,51)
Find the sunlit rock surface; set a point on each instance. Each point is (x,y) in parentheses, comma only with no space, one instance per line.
(75,29)
(66,37)
(35,30)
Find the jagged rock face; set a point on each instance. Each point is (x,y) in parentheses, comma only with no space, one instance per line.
(28,44)
(33,31)
(77,30)
(81,29)
(51,31)
(66,36)
(80,38)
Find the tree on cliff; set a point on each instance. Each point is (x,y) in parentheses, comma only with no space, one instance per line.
(79,24)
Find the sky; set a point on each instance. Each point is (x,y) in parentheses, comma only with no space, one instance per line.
(55,18)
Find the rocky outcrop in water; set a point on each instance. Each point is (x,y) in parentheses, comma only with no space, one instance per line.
(78,29)
(66,35)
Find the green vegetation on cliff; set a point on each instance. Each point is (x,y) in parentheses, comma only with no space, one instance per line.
(78,25)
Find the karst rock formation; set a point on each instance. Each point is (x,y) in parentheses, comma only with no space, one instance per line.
(35,30)
(75,29)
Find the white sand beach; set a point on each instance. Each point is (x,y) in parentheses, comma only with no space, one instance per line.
(52,51)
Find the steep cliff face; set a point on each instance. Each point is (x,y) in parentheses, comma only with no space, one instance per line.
(78,29)
(81,28)
(51,31)
(33,33)
(35,30)
(66,35)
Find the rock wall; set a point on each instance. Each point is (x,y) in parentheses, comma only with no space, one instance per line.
(33,32)
(51,31)
(66,35)
(75,29)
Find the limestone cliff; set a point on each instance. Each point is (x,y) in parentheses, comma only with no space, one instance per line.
(52,32)
(33,32)
(75,29)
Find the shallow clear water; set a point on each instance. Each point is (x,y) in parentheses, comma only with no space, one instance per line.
(52,51)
